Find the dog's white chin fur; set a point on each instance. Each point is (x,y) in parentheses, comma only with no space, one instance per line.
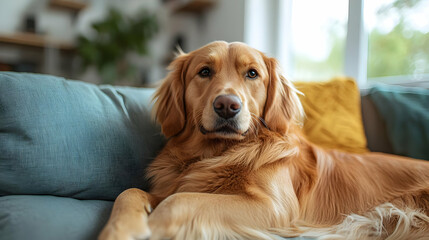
(229,136)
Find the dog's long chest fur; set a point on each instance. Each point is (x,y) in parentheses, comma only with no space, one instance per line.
(307,177)
(228,170)
(320,186)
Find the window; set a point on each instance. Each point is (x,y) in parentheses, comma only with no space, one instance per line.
(398,42)
(318,30)
(370,40)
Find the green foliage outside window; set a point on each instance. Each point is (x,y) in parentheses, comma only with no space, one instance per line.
(394,54)
(402,51)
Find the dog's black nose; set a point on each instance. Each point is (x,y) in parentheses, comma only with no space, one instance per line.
(227,106)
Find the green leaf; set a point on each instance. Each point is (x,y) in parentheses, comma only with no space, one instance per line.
(115,36)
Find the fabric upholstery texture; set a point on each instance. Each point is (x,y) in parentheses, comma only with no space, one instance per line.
(375,127)
(49,217)
(333,114)
(73,139)
(53,218)
(405,111)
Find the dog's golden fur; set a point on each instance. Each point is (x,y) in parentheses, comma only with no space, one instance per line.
(262,178)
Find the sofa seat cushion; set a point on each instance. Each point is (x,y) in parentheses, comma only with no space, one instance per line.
(73,139)
(52,218)
(49,217)
(405,111)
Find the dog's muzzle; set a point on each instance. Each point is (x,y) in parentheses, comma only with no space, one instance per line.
(227,107)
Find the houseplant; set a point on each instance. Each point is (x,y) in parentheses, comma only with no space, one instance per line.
(115,37)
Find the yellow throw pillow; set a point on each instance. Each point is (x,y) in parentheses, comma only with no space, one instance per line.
(333,114)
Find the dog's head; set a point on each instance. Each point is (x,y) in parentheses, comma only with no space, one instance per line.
(225,91)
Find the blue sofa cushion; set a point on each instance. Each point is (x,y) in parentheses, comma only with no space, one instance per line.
(49,217)
(74,139)
(405,111)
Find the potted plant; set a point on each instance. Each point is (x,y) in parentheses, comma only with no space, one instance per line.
(115,37)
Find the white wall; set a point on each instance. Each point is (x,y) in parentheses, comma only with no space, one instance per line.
(49,21)
(268,29)
(225,21)
(60,24)
(262,26)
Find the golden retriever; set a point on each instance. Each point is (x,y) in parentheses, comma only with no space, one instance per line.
(236,165)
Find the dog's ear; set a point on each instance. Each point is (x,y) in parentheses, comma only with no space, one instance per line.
(282,106)
(169,108)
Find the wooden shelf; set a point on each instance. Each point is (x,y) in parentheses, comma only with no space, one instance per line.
(35,40)
(195,6)
(73,6)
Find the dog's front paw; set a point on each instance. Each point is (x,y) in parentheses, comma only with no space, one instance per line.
(169,218)
(162,224)
(109,233)
(115,232)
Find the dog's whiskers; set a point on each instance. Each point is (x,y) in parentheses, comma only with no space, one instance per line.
(259,120)
(256,123)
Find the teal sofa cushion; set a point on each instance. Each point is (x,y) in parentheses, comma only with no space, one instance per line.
(405,111)
(49,217)
(73,139)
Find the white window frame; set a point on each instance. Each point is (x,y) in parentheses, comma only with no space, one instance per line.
(356,51)
(273,22)
(274,26)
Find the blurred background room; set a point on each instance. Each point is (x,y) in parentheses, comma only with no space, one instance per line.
(130,42)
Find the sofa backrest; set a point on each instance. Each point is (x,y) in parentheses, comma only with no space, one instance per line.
(374,125)
(404,113)
(69,138)
(73,139)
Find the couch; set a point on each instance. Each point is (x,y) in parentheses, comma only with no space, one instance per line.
(68,148)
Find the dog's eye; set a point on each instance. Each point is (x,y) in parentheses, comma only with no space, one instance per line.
(204,72)
(252,74)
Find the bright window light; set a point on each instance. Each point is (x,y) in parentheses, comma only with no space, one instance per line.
(318,31)
(398,39)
